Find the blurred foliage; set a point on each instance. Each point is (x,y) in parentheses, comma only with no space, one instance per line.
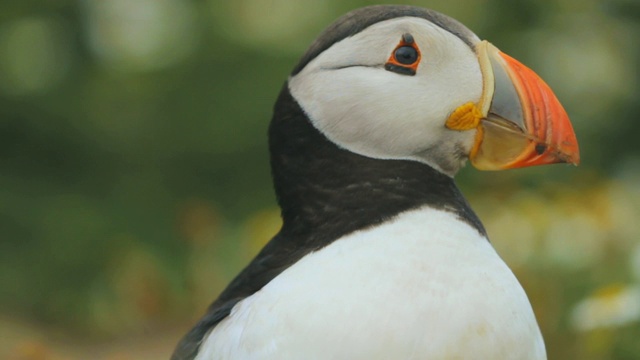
(134,176)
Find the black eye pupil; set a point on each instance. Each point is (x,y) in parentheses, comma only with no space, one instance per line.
(406,55)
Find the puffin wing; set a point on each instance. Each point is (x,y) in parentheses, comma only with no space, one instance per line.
(269,263)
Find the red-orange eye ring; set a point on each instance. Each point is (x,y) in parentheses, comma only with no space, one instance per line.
(405,58)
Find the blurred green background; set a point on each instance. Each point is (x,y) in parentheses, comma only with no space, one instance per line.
(134,178)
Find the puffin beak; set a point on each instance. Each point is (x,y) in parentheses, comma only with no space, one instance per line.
(522,122)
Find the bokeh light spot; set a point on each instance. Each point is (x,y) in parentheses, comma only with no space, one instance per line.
(34,55)
(139,35)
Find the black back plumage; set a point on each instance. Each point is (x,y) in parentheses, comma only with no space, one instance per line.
(326,192)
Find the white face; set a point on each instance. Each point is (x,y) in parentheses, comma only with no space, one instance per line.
(362,107)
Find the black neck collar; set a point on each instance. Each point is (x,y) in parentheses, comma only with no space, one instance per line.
(326,192)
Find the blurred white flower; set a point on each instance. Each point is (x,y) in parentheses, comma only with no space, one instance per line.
(612,306)
(141,34)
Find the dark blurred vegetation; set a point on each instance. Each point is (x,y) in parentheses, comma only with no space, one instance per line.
(134,178)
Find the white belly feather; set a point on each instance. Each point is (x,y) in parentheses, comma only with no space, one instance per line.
(423,286)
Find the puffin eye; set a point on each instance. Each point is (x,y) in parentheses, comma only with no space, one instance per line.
(405,57)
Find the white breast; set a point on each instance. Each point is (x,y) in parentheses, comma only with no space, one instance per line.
(423,286)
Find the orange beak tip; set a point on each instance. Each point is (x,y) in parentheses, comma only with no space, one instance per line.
(526,125)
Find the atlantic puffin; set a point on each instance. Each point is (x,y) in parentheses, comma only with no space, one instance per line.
(379,255)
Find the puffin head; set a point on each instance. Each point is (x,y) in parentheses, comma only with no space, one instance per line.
(406,83)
